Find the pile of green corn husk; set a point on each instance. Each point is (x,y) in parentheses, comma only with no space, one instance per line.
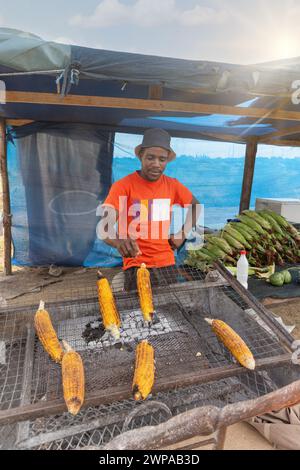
(266,236)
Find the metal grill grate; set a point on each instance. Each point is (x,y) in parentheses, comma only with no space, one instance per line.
(192,366)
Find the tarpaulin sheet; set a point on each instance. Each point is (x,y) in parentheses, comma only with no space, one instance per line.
(59,174)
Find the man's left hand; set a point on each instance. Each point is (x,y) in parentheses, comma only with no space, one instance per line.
(176,240)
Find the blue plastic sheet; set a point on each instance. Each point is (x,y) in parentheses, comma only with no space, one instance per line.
(59,174)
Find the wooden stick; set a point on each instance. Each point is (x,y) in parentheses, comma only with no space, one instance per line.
(251,151)
(148,105)
(6,200)
(204,421)
(120,393)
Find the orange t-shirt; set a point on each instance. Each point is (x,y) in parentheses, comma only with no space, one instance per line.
(145,215)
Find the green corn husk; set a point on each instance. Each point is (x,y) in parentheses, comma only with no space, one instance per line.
(235,244)
(238,226)
(199,255)
(222,244)
(260,220)
(244,227)
(275,226)
(279,219)
(216,251)
(237,235)
(252,224)
(230,260)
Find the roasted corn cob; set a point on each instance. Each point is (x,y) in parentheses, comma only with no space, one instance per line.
(47,334)
(233,342)
(108,308)
(145,293)
(143,379)
(72,379)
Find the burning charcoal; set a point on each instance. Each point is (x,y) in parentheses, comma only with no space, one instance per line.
(128,348)
(94,331)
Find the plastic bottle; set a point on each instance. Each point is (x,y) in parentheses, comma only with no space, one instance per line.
(242,270)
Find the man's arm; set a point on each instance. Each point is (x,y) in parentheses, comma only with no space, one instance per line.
(127,247)
(193,214)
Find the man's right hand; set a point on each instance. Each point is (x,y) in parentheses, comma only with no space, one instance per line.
(128,248)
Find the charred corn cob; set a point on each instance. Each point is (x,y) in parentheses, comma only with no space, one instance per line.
(233,342)
(72,379)
(47,334)
(143,379)
(108,308)
(145,293)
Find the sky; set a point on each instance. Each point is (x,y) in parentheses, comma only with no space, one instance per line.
(235,31)
(232,31)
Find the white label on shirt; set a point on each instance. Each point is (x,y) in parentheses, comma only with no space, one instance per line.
(161,210)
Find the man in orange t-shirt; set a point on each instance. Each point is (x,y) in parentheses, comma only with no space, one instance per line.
(142,203)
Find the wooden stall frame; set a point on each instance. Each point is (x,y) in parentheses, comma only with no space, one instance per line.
(155,103)
(6,201)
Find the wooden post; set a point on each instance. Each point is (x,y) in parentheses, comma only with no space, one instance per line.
(6,200)
(251,150)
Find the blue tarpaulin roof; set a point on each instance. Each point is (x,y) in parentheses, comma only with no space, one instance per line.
(29,64)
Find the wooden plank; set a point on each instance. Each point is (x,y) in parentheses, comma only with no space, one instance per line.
(281,133)
(148,105)
(251,151)
(282,143)
(18,122)
(155,92)
(112,395)
(204,421)
(6,200)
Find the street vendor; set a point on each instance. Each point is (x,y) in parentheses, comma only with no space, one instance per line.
(142,204)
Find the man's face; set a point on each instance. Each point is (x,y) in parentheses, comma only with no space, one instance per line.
(154,161)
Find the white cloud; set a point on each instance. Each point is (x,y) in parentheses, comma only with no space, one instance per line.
(108,13)
(202,15)
(147,13)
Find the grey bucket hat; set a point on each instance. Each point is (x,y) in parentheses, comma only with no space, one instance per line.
(156,138)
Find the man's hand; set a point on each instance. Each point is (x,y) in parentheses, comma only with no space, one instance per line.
(176,240)
(128,248)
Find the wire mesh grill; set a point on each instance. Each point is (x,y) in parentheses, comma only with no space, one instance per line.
(184,344)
